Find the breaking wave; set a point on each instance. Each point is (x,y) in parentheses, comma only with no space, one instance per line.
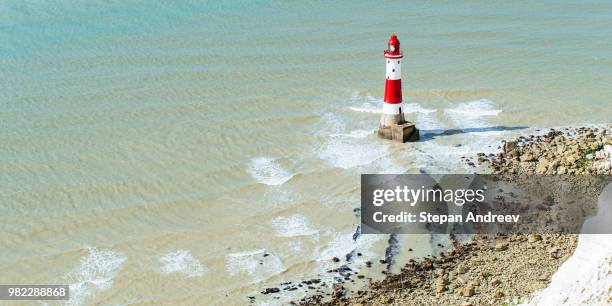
(293,226)
(95,273)
(257,264)
(268,171)
(472,114)
(181,261)
(343,153)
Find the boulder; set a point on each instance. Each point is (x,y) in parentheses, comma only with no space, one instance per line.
(501,246)
(440,285)
(468,291)
(527,157)
(509,146)
(531,238)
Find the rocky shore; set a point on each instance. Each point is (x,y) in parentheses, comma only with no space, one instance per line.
(487,270)
(568,151)
(491,269)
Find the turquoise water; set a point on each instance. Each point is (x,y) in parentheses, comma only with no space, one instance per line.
(151,151)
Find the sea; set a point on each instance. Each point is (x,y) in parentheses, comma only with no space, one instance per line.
(198,152)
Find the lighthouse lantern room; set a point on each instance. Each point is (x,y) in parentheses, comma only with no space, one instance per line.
(393,124)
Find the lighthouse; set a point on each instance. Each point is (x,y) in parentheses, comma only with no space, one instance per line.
(393,124)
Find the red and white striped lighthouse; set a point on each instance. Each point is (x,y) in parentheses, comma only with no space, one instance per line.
(393,112)
(393,125)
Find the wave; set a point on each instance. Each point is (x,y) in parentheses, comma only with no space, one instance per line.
(355,134)
(247,253)
(267,170)
(95,273)
(293,226)
(342,244)
(412,108)
(371,104)
(464,114)
(181,261)
(357,250)
(333,125)
(348,149)
(476,108)
(369,109)
(472,118)
(472,114)
(258,264)
(435,157)
(345,154)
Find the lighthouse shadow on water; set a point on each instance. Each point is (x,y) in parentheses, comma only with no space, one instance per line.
(393,124)
(427,135)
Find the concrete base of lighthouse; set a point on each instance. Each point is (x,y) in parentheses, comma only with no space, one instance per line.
(394,127)
(404,132)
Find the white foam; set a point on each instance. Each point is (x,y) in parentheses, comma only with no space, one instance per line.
(470,114)
(356,148)
(254,264)
(471,118)
(425,117)
(385,165)
(296,246)
(344,153)
(367,109)
(268,171)
(95,273)
(437,157)
(181,261)
(412,108)
(346,150)
(332,125)
(342,244)
(355,134)
(476,108)
(292,226)
(248,253)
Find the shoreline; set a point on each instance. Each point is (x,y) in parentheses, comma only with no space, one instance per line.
(467,274)
(486,270)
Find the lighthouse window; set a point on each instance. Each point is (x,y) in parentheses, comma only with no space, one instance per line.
(398,62)
(393,70)
(388,62)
